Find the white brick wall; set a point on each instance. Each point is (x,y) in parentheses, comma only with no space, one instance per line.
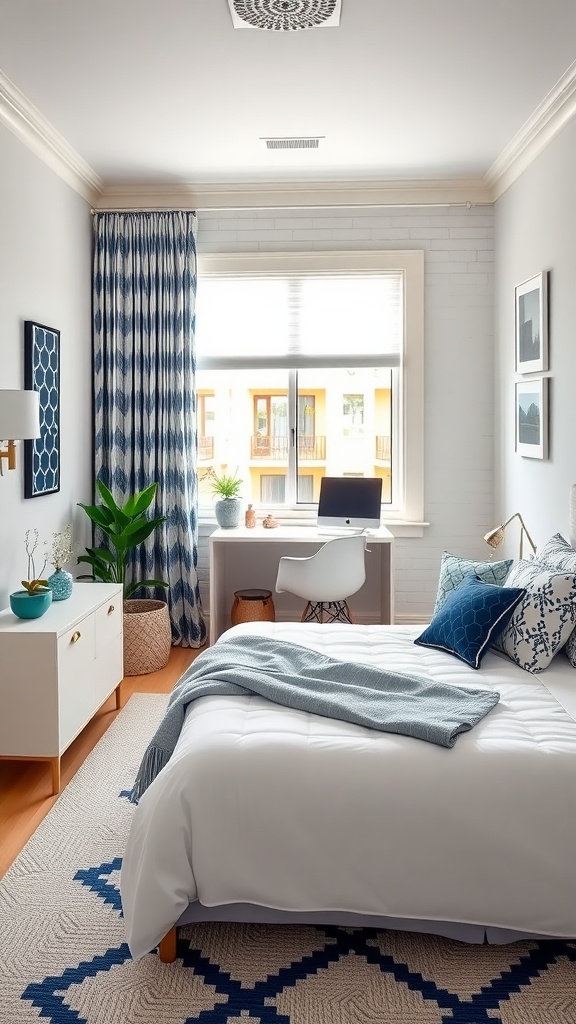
(459,430)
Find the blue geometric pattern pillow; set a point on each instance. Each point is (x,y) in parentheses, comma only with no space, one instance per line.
(453,570)
(471,618)
(543,621)
(559,554)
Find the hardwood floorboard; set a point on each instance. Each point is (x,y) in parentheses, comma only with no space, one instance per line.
(25,786)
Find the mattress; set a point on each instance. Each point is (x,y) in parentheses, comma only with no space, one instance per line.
(277,808)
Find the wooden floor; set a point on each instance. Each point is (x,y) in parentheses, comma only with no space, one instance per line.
(25,786)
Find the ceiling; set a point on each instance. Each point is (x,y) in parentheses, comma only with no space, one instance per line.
(169,93)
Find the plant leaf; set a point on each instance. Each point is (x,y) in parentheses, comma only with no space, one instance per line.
(133,587)
(100,515)
(138,503)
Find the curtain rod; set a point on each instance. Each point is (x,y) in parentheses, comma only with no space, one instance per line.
(340,206)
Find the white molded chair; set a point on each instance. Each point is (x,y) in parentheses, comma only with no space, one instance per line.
(325,579)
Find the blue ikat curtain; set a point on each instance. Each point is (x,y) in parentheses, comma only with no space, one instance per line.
(144,392)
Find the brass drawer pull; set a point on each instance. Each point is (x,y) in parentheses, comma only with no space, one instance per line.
(111,609)
(75,637)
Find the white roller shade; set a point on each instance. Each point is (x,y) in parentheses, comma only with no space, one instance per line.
(299,320)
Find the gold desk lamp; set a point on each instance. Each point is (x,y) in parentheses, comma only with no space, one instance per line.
(495,537)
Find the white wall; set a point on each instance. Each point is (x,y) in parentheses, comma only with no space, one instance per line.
(459,436)
(45,275)
(535,230)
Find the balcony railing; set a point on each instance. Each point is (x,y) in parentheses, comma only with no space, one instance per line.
(383,448)
(205,448)
(311,446)
(263,446)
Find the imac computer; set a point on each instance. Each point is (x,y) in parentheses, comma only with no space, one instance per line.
(349,503)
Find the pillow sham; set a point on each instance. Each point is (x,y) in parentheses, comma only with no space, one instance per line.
(543,621)
(559,554)
(471,618)
(453,570)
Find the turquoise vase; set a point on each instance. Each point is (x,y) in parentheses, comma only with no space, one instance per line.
(61,583)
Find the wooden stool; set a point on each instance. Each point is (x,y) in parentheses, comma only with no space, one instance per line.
(253,606)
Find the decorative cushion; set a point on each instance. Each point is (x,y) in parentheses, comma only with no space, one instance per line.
(543,621)
(453,570)
(471,618)
(559,554)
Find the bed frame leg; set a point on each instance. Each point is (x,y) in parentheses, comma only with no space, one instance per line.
(167,947)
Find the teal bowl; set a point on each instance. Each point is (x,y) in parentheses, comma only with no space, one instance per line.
(30,606)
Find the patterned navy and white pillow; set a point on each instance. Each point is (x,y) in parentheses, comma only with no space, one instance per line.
(471,618)
(453,570)
(559,554)
(544,619)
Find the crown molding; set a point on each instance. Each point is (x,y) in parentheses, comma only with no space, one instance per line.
(294,195)
(25,121)
(549,118)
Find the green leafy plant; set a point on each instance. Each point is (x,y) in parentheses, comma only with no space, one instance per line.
(125,528)
(225,485)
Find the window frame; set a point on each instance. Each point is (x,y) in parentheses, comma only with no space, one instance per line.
(408,400)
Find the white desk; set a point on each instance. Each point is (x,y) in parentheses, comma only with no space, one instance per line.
(241,559)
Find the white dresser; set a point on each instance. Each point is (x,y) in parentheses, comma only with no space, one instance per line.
(56,671)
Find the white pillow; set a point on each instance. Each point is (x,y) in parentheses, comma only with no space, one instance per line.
(559,554)
(544,619)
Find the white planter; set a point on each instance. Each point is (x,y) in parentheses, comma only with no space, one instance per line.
(227,511)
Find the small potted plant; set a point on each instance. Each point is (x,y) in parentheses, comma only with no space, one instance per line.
(226,488)
(36,597)
(147,632)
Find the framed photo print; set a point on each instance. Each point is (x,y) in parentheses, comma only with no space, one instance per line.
(532,417)
(42,374)
(532,325)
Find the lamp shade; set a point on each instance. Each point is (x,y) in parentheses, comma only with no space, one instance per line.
(19,415)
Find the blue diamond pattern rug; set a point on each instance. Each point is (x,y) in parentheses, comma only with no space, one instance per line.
(64,959)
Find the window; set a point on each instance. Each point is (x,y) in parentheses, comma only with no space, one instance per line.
(313,363)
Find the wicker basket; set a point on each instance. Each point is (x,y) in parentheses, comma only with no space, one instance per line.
(147,636)
(253,606)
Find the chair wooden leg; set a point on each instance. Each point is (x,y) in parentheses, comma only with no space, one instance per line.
(167,947)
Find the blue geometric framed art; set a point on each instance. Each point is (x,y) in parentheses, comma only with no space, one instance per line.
(42,374)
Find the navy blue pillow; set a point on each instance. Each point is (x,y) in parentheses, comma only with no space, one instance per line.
(471,619)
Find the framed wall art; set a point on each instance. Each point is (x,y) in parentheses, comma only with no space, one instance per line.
(532,417)
(532,325)
(42,374)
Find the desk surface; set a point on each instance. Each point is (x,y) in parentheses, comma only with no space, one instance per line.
(281,534)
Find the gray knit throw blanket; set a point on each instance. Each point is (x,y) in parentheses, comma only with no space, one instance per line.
(300,678)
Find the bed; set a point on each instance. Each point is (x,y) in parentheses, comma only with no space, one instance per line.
(265,813)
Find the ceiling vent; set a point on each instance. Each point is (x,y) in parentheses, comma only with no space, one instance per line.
(293,143)
(285,15)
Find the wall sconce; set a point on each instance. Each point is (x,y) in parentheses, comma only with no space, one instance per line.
(495,537)
(19,420)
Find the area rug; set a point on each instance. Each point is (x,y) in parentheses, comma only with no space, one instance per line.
(64,959)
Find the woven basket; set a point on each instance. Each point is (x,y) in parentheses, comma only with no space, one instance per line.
(252,606)
(147,636)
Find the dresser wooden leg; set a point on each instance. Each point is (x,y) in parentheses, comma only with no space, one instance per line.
(167,947)
(55,766)
(117,694)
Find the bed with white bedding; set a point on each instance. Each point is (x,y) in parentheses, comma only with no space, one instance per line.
(269,813)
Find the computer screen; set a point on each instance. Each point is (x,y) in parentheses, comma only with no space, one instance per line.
(350,502)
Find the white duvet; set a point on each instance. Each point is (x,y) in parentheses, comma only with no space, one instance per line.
(265,805)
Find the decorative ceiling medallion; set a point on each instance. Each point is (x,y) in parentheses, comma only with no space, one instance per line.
(285,15)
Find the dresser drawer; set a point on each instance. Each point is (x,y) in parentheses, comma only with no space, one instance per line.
(108,624)
(76,655)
